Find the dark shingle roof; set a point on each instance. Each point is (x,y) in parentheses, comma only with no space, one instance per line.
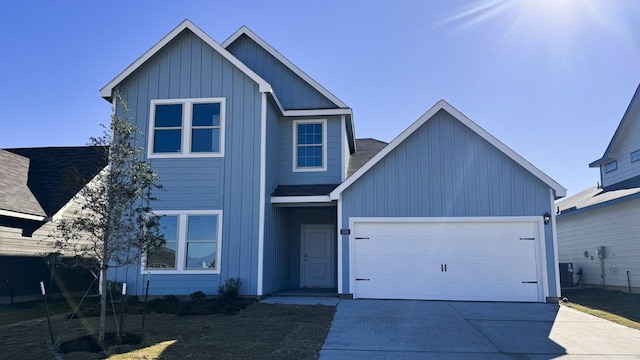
(366,149)
(304,190)
(49,170)
(15,195)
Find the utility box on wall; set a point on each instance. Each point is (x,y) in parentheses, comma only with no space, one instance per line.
(566,275)
(600,251)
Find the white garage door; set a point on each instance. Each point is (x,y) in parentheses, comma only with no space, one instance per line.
(471,260)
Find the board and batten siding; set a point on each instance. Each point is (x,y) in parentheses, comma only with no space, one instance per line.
(276,220)
(188,68)
(444,169)
(333,173)
(292,91)
(617,228)
(626,169)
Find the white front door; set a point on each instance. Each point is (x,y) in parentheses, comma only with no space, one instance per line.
(317,256)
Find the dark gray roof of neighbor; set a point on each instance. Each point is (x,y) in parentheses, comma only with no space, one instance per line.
(49,176)
(365,150)
(15,195)
(304,190)
(596,197)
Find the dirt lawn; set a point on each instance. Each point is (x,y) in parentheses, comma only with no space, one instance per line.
(261,331)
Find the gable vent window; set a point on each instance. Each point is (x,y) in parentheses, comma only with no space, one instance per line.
(310,151)
(187,127)
(609,167)
(635,156)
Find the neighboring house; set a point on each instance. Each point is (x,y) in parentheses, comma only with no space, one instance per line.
(34,190)
(608,214)
(266,182)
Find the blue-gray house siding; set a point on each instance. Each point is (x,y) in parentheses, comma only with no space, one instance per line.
(293,92)
(333,173)
(444,169)
(189,68)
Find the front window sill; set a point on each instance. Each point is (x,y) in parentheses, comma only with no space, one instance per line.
(181,155)
(310,169)
(179,272)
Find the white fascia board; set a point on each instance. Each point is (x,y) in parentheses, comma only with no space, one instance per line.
(246,31)
(300,199)
(107,90)
(19,215)
(309,112)
(627,119)
(317,112)
(560,191)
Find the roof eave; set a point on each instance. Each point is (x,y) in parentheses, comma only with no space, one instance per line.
(244,30)
(19,215)
(558,189)
(107,91)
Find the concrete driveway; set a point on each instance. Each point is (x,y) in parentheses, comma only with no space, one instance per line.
(405,329)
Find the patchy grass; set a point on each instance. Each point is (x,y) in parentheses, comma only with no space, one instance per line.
(616,306)
(11,314)
(261,331)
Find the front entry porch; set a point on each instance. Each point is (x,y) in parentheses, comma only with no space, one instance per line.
(301,251)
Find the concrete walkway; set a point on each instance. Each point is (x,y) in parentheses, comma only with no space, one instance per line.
(404,329)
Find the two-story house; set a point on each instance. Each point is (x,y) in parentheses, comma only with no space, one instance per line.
(598,228)
(266,182)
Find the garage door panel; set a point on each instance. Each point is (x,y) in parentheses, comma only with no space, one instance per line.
(484,260)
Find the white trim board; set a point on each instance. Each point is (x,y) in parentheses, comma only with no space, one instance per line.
(244,30)
(300,199)
(107,90)
(15,214)
(443,105)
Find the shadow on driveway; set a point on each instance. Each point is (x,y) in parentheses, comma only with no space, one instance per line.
(405,329)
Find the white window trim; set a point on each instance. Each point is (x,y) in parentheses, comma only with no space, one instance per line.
(187,121)
(631,156)
(181,243)
(324,145)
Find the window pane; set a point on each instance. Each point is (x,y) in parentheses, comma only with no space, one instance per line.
(610,166)
(206,114)
(168,115)
(167,141)
(202,227)
(169,227)
(205,140)
(201,255)
(163,258)
(635,156)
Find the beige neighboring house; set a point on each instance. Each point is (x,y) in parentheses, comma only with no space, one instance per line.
(34,191)
(599,228)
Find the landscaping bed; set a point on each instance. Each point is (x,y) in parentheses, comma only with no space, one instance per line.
(259,331)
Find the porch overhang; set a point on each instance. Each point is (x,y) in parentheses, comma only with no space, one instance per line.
(317,200)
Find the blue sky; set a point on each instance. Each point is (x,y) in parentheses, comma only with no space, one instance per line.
(549,78)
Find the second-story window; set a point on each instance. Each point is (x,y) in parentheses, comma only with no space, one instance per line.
(187,127)
(609,167)
(310,150)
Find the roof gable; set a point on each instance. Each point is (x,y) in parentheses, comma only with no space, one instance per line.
(107,91)
(618,137)
(457,115)
(245,31)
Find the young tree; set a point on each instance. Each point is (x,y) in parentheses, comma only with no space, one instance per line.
(113,222)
